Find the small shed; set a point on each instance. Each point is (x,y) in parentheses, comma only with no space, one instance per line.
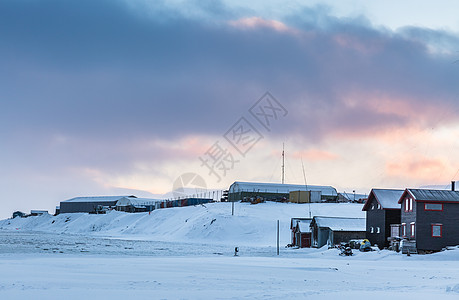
(334,230)
(301,232)
(305,196)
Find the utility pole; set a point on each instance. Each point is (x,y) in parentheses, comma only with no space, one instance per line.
(277,237)
(283,163)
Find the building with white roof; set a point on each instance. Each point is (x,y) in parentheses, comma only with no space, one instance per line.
(301,232)
(382,211)
(334,230)
(89,204)
(240,190)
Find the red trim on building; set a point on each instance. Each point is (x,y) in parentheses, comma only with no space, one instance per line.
(430,201)
(433,209)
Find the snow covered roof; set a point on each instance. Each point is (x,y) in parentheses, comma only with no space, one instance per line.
(341,224)
(304,225)
(387,198)
(434,195)
(239,186)
(137,202)
(97,199)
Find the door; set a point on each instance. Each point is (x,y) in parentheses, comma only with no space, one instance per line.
(305,240)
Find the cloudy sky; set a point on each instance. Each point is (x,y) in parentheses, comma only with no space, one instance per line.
(123,96)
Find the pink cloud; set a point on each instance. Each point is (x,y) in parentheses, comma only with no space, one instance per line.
(419,168)
(257,22)
(314,155)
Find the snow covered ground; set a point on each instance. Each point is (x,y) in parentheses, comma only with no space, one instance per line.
(180,253)
(210,223)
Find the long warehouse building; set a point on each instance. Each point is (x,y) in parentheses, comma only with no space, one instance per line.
(240,191)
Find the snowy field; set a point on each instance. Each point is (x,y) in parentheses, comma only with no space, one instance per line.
(180,253)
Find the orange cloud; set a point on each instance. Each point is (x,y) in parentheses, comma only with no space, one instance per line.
(418,168)
(315,155)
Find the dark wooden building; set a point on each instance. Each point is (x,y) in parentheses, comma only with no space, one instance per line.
(334,230)
(382,210)
(301,232)
(430,218)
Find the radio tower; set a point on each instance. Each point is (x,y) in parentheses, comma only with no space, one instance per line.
(283,163)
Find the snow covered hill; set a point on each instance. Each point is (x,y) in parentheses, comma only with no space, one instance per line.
(212,223)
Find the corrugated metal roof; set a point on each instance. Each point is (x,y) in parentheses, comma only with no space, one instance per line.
(435,195)
(388,198)
(96,199)
(341,224)
(239,186)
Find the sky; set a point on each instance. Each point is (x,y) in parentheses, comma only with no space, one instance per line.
(124,97)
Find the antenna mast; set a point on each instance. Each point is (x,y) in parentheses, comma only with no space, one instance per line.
(283,163)
(306,185)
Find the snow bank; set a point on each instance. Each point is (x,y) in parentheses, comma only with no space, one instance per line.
(210,223)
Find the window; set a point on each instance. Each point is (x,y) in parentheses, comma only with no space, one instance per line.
(433,206)
(408,204)
(403,229)
(394,230)
(371,229)
(437,230)
(379,206)
(412,229)
(378,230)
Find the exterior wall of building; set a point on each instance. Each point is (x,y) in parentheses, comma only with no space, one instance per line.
(408,217)
(324,235)
(392,217)
(448,218)
(74,207)
(346,236)
(302,239)
(239,196)
(376,218)
(299,197)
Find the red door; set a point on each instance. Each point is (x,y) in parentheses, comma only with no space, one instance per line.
(305,240)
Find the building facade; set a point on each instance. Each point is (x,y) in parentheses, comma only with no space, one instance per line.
(430,218)
(382,210)
(334,230)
